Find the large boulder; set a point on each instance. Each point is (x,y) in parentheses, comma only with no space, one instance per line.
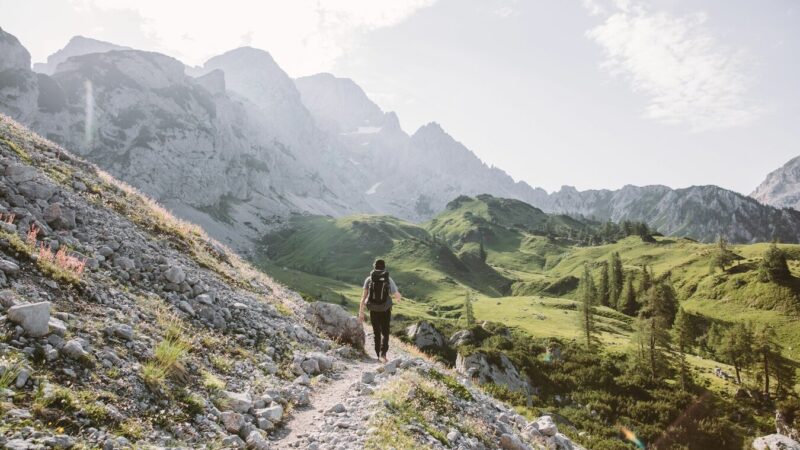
(495,369)
(337,323)
(775,442)
(424,335)
(34,318)
(462,337)
(59,217)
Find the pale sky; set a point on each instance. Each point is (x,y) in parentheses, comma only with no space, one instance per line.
(589,93)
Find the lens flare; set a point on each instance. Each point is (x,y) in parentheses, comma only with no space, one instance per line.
(631,436)
(88,123)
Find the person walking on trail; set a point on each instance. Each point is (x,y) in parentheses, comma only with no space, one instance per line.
(378,290)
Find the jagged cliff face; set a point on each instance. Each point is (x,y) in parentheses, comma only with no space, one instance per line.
(413,177)
(239,146)
(212,157)
(781,188)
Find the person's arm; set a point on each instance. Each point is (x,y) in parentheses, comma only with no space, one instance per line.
(362,304)
(394,290)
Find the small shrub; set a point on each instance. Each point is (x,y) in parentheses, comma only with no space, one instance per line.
(168,353)
(8,377)
(133,429)
(153,374)
(221,363)
(211,382)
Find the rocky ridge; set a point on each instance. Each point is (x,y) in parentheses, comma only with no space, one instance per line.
(163,338)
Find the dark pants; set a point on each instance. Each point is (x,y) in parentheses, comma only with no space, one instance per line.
(380,327)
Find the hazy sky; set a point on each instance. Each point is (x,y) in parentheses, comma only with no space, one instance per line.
(590,93)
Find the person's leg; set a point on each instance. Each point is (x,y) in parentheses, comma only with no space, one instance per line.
(375,320)
(385,327)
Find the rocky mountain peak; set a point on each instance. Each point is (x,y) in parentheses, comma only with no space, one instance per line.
(781,188)
(339,104)
(12,54)
(78,45)
(253,73)
(147,69)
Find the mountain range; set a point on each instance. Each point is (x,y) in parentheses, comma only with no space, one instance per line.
(236,145)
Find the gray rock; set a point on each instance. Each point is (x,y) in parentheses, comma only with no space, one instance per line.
(8,267)
(232,421)
(22,377)
(105,251)
(546,426)
(59,217)
(256,441)
(175,275)
(20,173)
(73,349)
(424,335)
(233,441)
(273,413)
(512,442)
(124,263)
(460,338)
(239,402)
(124,332)
(32,317)
(478,366)
(337,323)
(368,377)
(775,442)
(57,327)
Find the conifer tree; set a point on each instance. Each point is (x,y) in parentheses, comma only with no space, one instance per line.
(683,336)
(616,279)
(587,294)
(469,315)
(736,348)
(603,294)
(629,305)
(773,266)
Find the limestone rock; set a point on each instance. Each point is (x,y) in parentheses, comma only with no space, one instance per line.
(32,317)
(500,371)
(337,323)
(775,442)
(424,335)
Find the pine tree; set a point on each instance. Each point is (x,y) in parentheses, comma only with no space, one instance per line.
(736,348)
(469,315)
(645,283)
(773,265)
(655,320)
(683,336)
(629,305)
(587,294)
(722,256)
(603,294)
(765,347)
(616,279)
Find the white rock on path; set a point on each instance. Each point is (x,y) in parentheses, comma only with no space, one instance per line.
(775,442)
(239,402)
(34,318)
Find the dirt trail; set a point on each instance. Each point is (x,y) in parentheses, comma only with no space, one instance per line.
(326,396)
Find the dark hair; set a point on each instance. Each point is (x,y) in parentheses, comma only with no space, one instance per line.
(380,264)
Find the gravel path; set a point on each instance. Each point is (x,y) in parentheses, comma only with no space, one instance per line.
(334,403)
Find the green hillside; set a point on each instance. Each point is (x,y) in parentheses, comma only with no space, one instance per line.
(522,267)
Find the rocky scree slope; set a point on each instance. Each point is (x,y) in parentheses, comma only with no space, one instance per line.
(168,340)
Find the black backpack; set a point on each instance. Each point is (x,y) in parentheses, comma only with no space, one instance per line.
(378,287)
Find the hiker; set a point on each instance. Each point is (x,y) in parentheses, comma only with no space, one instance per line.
(378,289)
